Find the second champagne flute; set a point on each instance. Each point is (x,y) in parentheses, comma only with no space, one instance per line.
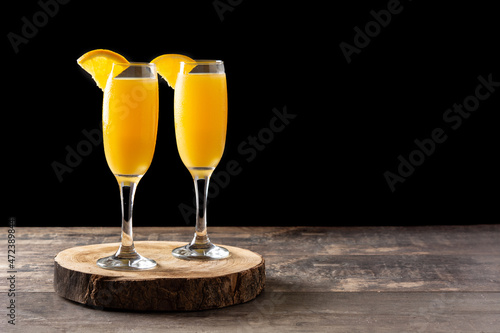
(200,112)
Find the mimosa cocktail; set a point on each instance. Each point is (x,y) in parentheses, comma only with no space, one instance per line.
(130,122)
(200,111)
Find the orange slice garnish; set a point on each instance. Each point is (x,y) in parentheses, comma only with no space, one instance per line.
(99,64)
(168,66)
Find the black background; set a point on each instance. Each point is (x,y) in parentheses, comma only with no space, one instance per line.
(326,167)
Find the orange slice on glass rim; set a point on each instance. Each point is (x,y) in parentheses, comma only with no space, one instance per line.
(99,64)
(169,65)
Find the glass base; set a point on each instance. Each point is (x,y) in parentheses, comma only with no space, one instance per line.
(210,252)
(136,263)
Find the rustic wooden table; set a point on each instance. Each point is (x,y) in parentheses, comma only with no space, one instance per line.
(346,279)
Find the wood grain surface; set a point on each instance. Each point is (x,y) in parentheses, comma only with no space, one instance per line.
(319,279)
(174,285)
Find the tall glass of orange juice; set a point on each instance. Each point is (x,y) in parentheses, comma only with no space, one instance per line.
(130,122)
(200,112)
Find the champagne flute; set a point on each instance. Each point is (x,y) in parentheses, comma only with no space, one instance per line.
(130,122)
(200,111)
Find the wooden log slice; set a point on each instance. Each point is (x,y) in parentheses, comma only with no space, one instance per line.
(174,285)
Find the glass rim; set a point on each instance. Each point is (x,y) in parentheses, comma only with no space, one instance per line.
(203,61)
(135,63)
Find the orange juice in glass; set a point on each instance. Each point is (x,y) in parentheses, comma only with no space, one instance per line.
(130,118)
(200,109)
(200,112)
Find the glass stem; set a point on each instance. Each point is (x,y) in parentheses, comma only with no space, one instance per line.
(128,186)
(201,239)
